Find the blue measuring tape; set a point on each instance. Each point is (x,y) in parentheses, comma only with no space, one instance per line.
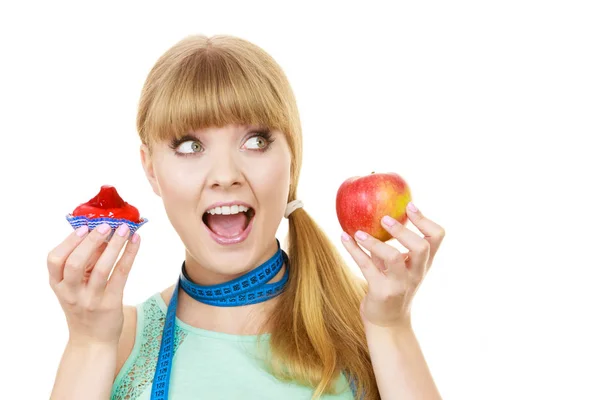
(250,288)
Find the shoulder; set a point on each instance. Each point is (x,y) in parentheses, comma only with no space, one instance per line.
(131,320)
(167,293)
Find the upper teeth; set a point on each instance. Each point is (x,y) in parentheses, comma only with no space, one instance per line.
(226,210)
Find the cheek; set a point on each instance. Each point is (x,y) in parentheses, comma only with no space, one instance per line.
(272,182)
(176,185)
(268,182)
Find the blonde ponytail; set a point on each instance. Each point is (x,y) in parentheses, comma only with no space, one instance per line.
(318,332)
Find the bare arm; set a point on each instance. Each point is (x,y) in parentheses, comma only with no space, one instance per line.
(88,369)
(399,365)
(88,278)
(85,372)
(393,278)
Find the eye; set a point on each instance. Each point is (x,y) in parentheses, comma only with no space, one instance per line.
(189,146)
(261,141)
(258,141)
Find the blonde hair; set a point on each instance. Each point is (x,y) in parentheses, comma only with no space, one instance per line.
(317,329)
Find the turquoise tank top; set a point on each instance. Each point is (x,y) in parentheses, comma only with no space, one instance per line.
(206,365)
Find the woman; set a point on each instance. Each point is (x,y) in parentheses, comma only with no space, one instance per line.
(222,147)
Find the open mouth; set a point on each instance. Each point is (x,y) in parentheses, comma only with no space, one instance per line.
(230,223)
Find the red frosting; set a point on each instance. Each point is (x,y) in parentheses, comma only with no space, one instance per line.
(108,203)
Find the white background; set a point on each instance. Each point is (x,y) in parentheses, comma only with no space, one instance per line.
(490,110)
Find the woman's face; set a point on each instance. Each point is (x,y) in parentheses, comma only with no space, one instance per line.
(239,165)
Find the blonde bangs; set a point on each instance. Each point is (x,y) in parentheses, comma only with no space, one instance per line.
(196,85)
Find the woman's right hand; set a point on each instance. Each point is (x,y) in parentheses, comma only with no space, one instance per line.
(80,275)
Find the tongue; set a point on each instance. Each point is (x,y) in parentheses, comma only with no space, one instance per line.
(226,225)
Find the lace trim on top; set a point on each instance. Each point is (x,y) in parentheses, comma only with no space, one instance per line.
(140,372)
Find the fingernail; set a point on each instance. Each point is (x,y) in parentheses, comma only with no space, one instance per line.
(389,221)
(103,228)
(345,237)
(82,230)
(412,207)
(123,230)
(135,238)
(361,235)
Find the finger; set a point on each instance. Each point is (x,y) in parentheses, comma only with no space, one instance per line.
(391,257)
(92,262)
(433,233)
(118,279)
(418,247)
(58,256)
(78,260)
(362,259)
(107,260)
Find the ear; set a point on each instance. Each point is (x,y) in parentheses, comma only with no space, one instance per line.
(146,158)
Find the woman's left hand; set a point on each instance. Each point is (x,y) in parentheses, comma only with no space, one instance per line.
(393,277)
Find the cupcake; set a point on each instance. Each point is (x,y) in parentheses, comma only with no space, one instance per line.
(107,206)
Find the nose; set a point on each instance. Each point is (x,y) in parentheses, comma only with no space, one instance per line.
(224,172)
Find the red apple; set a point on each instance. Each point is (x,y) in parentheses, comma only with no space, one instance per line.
(362,202)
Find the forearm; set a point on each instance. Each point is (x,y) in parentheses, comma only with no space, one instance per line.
(399,364)
(85,372)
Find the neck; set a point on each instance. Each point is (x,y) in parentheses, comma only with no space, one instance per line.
(239,320)
(231,267)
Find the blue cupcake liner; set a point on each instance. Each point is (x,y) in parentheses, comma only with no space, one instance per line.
(114,223)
